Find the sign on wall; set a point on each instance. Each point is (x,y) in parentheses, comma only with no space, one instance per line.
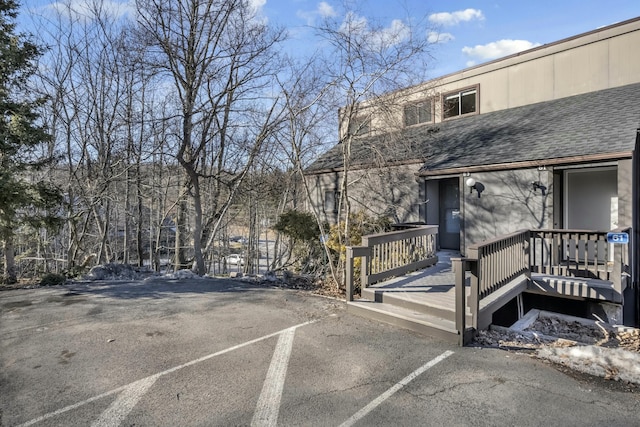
(621,238)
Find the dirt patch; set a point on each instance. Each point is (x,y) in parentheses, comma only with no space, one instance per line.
(304,283)
(598,334)
(549,329)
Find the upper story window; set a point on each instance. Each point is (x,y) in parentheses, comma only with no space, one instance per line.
(460,103)
(419,112)
(331,201)
(359,126)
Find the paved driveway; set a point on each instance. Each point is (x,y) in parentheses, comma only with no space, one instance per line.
(223,352)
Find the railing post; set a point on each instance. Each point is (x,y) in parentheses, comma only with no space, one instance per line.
(474,297)
(349,274)
(365,268)
(460,267)
(616,274)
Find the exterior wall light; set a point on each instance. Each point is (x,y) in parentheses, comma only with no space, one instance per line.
(537,185)
(473,185)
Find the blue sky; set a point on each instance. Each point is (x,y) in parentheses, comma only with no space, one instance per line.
(472,32)
(464,32)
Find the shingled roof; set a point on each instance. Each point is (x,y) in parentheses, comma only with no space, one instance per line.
(592,124)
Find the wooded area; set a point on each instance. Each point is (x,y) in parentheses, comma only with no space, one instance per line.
(171,127)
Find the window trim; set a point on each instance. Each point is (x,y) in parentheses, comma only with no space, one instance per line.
(428,101)
(459,92)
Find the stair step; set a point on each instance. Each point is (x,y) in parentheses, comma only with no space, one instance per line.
(416,321)
(410,301)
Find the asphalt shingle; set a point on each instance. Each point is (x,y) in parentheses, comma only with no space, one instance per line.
(595,123)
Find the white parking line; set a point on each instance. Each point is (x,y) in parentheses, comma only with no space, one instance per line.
(268,405)
(156,376)
(124,403)
(384,396)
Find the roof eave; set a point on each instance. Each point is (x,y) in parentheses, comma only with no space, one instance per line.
(529,164)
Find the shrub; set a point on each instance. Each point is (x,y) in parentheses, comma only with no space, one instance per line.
(52,279)
(360,224)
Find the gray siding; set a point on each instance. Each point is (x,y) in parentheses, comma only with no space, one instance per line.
(393,192)
(507,203)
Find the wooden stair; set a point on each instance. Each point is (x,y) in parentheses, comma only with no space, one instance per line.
(402,309)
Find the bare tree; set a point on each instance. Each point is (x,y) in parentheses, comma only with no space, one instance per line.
(218,54)
(363,64)
(83,78)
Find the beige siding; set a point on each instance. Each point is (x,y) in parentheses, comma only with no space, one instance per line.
(529,83)
(581,70)
(624,60)
(594,61)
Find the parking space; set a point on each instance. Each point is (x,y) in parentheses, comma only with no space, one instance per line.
(223,352)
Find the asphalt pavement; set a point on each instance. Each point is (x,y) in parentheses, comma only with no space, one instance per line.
(222,352)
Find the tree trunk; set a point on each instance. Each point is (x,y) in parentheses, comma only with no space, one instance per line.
(10,274)
(180,260)
(197,227)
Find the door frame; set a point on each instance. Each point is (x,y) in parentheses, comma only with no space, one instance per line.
(442,214)
(566,189)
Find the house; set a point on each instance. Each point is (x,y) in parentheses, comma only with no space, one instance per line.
(542,139)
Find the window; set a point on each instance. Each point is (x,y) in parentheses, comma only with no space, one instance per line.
(331,199)
(359,126)
(417,113)
(460,103)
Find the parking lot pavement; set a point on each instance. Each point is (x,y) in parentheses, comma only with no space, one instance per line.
(224,352)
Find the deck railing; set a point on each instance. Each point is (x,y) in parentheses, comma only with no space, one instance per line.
(576,253)
(573,253)
(492,264)
(391,254)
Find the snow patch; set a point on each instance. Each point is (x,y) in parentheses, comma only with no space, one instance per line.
(182,274)
(610,363)
(114,271)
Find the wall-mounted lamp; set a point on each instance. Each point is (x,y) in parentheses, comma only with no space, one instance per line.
(537,185)
(473,185)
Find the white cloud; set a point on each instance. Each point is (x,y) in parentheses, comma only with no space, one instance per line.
(354,24)
(394,34)
(380,38)
(497,49)
(325,10)
(257,5)
(454,18)
(436,37)
(86,9)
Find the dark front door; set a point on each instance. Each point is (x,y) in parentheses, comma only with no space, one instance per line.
(449,231)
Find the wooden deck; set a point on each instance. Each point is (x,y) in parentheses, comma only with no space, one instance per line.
(455,296)
(423,301)
(432,286)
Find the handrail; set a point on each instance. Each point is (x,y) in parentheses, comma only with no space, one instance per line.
(500,260)
(581,253)
(495,262)
(391,254)
(398,252)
